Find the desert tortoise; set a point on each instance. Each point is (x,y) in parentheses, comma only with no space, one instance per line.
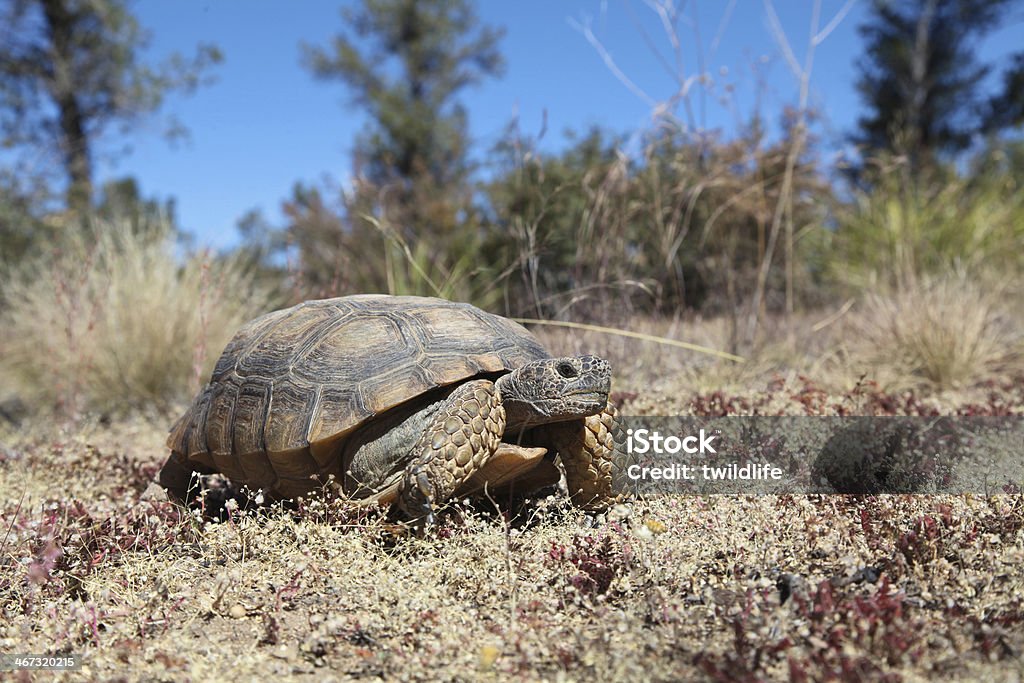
(400,399)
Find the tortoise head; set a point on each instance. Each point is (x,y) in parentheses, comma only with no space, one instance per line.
(555,390)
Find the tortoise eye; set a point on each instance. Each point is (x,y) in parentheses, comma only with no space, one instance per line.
(566,369)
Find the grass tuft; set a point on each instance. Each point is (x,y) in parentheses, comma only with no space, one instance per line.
(946,331)
(118,322)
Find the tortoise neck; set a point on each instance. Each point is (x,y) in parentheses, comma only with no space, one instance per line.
(518,414)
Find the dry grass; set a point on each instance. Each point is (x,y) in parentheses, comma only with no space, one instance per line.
(672,588)
(813,344)
(946,332)
(942,335)
(118,323)
(639,363)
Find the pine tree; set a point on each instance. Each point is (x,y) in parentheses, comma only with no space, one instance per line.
(69,70)
(405,63)
(1006,108)
(920,77)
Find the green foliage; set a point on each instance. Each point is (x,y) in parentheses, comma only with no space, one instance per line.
(406,62)
(265,251)
(121,201)
(69,70)
(683,225)
(541,206)
(318,232)
(920,78)
(22,229)
(900,231)
(115,322)
(29,226)
(369,255)
(413,270)
(1006,108)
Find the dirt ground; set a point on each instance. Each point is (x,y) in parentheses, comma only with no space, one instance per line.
(783,587)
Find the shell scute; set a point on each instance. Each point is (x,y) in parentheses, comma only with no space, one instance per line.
(270,353)
(250,417)
(220,418)
(288,416)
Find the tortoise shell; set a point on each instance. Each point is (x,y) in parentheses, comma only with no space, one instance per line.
(293,383)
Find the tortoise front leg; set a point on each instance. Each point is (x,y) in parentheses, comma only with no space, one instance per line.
(588,451)
(459,441)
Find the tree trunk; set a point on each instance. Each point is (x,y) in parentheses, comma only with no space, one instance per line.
(74,144)
(919,138)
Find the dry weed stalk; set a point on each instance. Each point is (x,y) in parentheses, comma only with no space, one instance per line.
(783,213)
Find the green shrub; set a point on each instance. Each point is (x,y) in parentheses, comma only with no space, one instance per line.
(686,224)
(901,228)
(117,322)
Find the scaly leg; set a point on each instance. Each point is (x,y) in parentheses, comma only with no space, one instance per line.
(589,454)
(460,440)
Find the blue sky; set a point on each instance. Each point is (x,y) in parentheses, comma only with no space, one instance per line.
(266,123)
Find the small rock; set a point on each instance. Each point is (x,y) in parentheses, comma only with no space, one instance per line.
(237,611)
(154,493)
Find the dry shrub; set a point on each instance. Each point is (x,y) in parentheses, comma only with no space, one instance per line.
(946,331)
(116,322)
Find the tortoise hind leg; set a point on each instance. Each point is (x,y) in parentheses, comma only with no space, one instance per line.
(589,449)
(177,476)
(459,441)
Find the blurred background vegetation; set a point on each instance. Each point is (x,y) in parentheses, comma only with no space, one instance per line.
(105,305)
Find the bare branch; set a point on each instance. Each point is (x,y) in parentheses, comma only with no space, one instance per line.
(783,206)
(649,42)
(610,62)
(663,13)
(701,65)
(726,16)
(780,38)
(836,20)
